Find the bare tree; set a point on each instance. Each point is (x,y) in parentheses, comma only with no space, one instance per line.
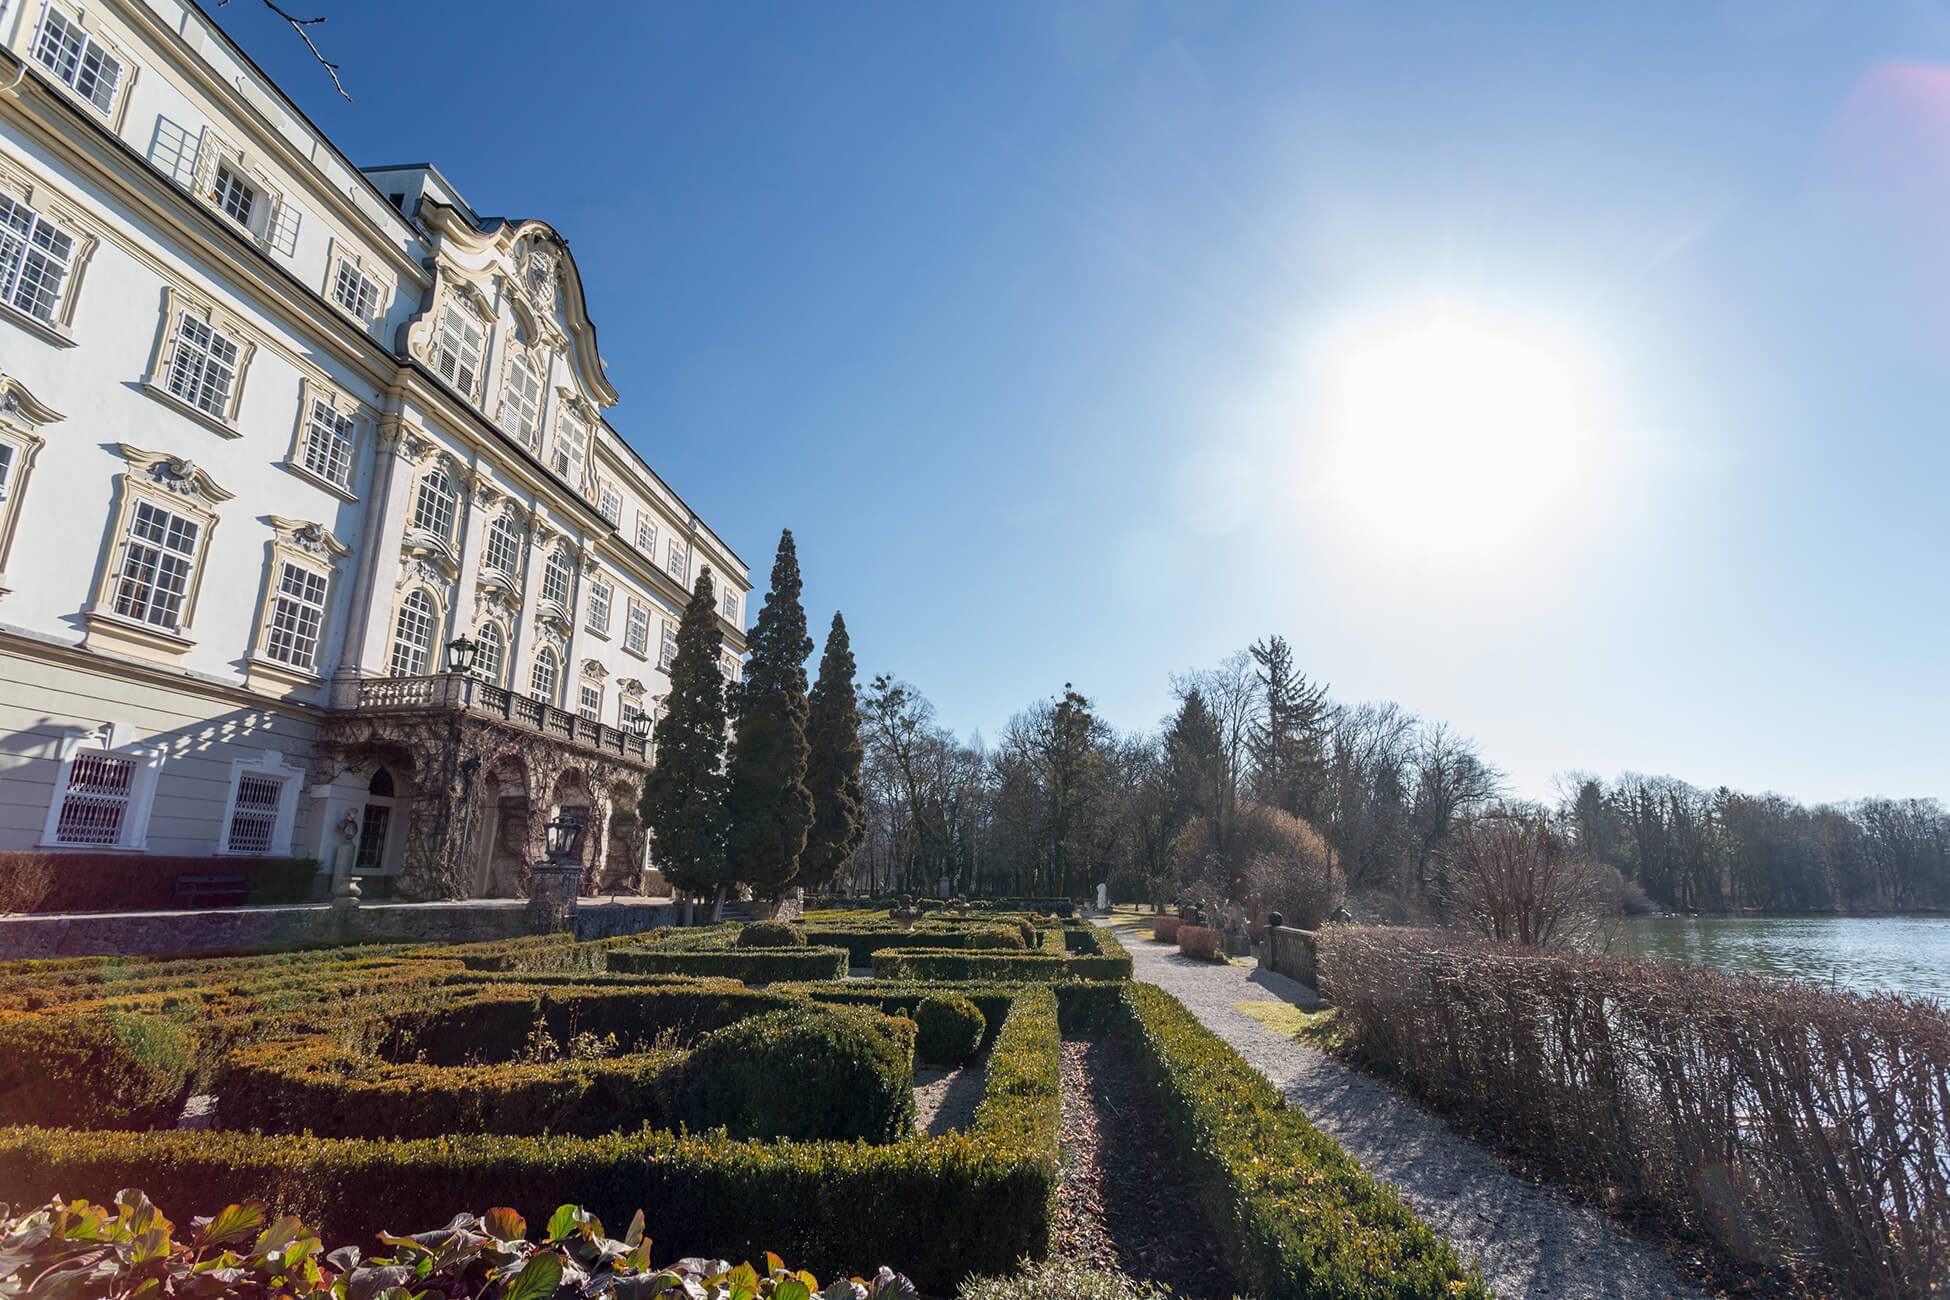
(1512,881)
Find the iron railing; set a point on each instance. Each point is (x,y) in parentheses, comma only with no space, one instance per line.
(458,691)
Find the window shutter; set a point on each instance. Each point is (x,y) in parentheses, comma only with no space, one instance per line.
(205,175)
(281,231)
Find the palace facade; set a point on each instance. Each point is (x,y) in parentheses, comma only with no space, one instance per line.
(275,431)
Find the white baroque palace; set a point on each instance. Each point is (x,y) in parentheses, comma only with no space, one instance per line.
(274,431)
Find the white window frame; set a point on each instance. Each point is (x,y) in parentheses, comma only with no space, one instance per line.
(173,485)
(31,243)
(558,578)
(233,190)
(500,643)
(361,285)
(459,333)
(636,631)
(522,401)
(609,503)
(600,594)
(89,42)
(646,534)
(584,708)
(111,738)
(545,655)
(503,526)
(731,604)
(318,608)
(445,507)
(667,648)
(678,562)
(400,643)
(329,434)
(571,458)
(170,370)
(268,767)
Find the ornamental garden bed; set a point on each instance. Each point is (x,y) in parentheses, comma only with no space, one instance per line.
(532,1074)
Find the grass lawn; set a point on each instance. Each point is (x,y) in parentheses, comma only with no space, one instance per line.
(1321,1029)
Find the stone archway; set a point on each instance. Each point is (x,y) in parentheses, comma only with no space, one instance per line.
(499,848)
(622,870)
(571,794)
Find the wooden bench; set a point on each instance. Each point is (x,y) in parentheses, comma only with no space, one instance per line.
(218,890)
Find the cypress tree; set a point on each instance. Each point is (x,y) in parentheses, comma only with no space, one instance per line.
(683,796)
(833,765)
(768,808)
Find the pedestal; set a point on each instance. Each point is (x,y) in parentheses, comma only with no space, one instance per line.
(553,896)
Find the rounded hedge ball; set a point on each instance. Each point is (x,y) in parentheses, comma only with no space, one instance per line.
(950,1028)
(805,1073)
(771,934)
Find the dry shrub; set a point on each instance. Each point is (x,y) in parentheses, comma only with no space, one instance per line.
(1512,881)
(25,880)
(1288,867)
(1165,928)
(1200,943)
(1792,1126)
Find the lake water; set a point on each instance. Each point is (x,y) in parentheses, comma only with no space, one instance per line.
(1862,954)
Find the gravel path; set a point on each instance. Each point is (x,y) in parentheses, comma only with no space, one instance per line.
(1529,1241)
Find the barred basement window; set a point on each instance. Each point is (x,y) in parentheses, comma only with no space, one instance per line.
(159,556)
(78,60)
(254,817)
(203,368)
(34,258)
(297,614)
(328,444)
(355,292)
(413,635)
(599,606)
(433,509)
(459,361)
(96,799)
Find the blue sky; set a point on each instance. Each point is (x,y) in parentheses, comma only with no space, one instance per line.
(1033,322)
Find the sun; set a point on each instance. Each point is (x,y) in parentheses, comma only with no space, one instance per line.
(1452,436)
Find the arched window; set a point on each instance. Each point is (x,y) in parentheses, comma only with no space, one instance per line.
(522,409)
(433,509)
(541,682)
(504,547)
(492,650)
(413,635)
(375,823)
(555,579)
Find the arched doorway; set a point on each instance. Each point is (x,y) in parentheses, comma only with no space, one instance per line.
(623,862)
(501,852)
(382,832)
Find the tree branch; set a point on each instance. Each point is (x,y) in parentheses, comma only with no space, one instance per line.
(299,25)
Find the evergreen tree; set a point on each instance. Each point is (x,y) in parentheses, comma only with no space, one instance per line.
(768,809)
(833,765)
(1193,768)
(683,796)
(1288,739)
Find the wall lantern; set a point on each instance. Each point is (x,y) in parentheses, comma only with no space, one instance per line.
(640,725)
(460,654)
(564,836)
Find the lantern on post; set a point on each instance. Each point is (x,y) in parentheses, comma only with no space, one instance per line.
(564,837)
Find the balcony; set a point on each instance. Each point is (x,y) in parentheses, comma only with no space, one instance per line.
(471,695)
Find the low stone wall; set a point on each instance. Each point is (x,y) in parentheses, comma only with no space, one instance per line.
(83,934)
(1290,952)
(790,908)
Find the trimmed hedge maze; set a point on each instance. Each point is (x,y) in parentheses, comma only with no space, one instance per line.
(375,1088)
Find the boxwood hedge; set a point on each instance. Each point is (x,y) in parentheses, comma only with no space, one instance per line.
(752,965)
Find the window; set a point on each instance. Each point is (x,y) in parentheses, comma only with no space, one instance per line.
(646,534)
(34,260)
(609,505)
(203,366)
(433,509)
(599,606)
(95,799)
(355,292)
(6,468)
(234,195)
(413,635)
(675,560)
(541,681)
(555,579)
(504,547)
(254,814)
(459,362)
(297,615)
(637,634)
(78,60)
(729,667)
(627,714)
(375,821)
(571,447)
(590,702)
(522,410)
(670,645)
(490,652)
(328,444)
(731,605)
(157,560)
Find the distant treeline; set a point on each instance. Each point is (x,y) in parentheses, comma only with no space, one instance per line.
(1062,801)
